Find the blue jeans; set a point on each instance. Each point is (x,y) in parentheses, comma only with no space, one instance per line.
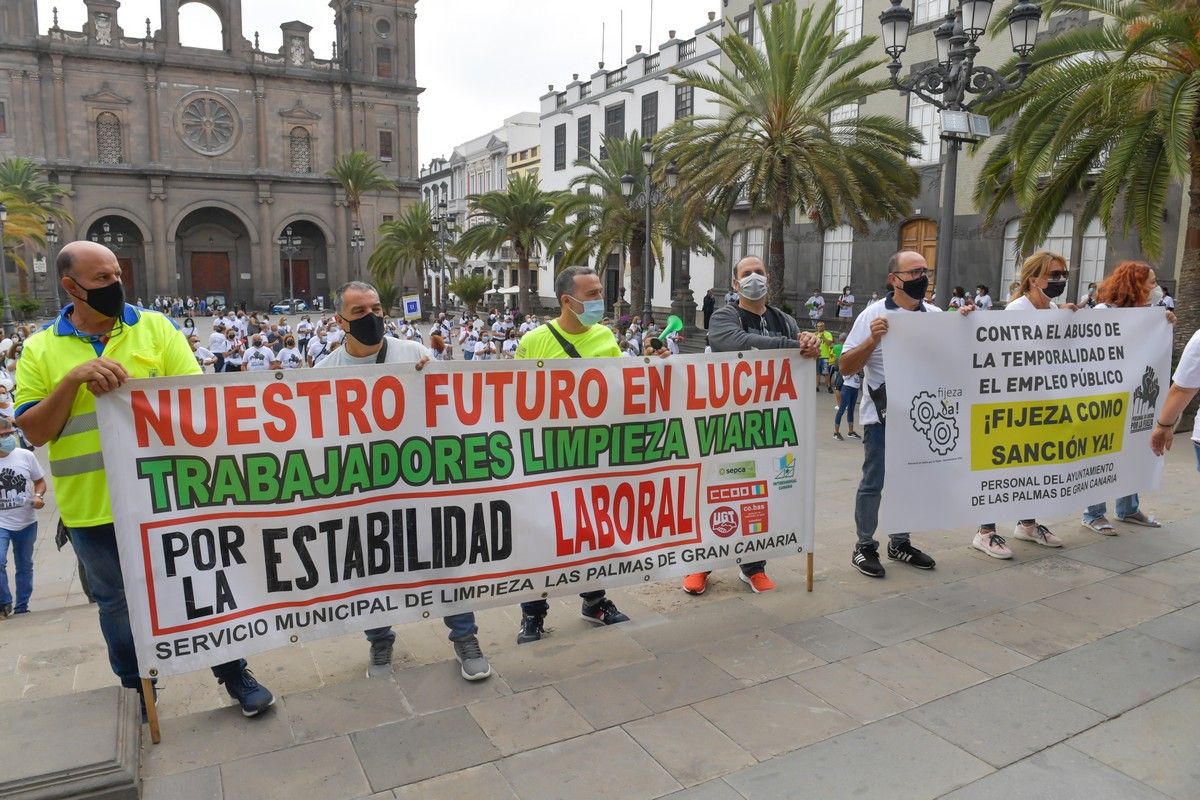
(866,503)
(538,608)
(96,549)
(849,400)
(1126,506)
(22,547)
(461,626)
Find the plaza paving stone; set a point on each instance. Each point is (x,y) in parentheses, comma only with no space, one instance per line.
(1061,674)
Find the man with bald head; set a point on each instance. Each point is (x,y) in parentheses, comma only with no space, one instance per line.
(908,279)
(97,343)
(751,324)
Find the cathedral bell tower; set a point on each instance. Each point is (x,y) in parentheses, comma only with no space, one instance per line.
(375,39)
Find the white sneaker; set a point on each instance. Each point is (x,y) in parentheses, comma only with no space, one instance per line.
(992,543)
(1038,534)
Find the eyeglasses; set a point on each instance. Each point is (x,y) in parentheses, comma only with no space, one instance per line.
(918,272)
(1058,275)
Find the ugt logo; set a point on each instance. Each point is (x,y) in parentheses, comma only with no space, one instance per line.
(934,417)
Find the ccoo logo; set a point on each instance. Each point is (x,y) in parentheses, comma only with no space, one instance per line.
(723,521)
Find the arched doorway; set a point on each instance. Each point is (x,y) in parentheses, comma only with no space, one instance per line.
(123,237)
(921,235)
(304,271)
(213,258)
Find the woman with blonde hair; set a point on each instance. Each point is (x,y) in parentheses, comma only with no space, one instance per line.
(1131,284)
(1043,277)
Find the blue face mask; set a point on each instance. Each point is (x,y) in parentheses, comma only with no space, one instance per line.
(8,443)
(593,311)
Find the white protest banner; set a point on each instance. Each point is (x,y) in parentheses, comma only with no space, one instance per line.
(1012,415)
(298,504)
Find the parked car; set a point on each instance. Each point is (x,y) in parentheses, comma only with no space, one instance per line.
(289,306)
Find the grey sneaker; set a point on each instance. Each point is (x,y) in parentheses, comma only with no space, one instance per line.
(475,666)
(380,664)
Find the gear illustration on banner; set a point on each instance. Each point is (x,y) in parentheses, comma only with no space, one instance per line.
(934,419)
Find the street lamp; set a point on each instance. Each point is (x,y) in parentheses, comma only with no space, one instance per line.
(52,257)
(289,245)
(946,84)
(114,242)
(647,199)
(440,224)
(8,320)
(357,243)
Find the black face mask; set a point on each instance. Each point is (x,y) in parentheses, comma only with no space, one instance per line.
(107,300)
(1055,288)
(916,287)
(367,329)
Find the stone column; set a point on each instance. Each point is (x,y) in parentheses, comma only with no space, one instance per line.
(260,122)
(61,146)
(268,265)
(164,266)
(153,127)
(33,102)
(337,103)
(340,267)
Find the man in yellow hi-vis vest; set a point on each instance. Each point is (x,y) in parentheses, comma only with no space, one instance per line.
(94,345)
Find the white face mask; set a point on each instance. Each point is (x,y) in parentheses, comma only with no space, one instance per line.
(1156,295)
(753,286)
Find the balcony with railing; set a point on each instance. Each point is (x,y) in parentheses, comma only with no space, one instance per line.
(651,63)
(687,49)
(560,100)
(585,89)
(615,78)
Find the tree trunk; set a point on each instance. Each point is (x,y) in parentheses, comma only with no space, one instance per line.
(637,275)
(1187,293)
(775,265)
(525,304)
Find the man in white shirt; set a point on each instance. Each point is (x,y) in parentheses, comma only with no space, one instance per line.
(259,356)
(815,305)
(908,278)
(24,485)
(360,317)
(845,304)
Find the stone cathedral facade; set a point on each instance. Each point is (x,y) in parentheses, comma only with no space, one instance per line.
(200,158)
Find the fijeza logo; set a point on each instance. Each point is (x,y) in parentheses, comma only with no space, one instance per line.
(787,467)
(738,469)
(1145,402)
(934,417)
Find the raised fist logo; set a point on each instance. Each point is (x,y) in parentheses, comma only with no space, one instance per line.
(934,418)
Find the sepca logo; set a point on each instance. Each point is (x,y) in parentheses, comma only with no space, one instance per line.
(738,469)
(729,492)
(723,521)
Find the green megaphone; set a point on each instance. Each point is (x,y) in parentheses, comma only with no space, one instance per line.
(674,325)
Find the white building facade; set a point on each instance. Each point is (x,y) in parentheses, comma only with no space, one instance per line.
(640,95)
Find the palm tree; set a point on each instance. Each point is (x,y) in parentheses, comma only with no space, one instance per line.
(30,200)
(1112,111)
(470,289)
(603,220)
(359,174)
(522,215)
(771,137)
(405,243)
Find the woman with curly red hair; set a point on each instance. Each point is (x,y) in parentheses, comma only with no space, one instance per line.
(1132,284)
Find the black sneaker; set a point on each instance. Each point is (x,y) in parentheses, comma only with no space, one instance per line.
(533,627)
(904,551)
(252,696)
(380,663)
(603,612)
(6,610)
(866,560)
(853,435)
(837,435)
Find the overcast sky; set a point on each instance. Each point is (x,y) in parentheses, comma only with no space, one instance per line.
(479,60)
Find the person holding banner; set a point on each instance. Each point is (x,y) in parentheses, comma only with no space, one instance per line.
(575,333)
(1131,284)
(1184,386)
(753,325)
(360,317)
(1043,277)
(95,345)
(908,278)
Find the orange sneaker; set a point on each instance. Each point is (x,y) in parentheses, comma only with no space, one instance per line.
(696,583)
(758,582)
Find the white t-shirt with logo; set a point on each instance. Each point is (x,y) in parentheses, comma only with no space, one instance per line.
(983,301)
(259,359)
(18,470)
(846,310)
(290,358)
(816,305)
(399,351)
(873,370)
